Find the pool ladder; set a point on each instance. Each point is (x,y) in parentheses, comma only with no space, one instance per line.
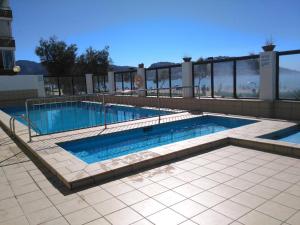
(12,125)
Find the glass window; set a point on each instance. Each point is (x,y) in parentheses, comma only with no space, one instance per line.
(176,81)
(151,82)
(133,75)
(8,59)
(289,77)
(223,79)
(127,81)
(1,60)
(118,82)
(164,82)
(202,80)
(247,78)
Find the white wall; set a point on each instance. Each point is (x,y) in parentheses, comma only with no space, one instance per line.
(187,79)
(23,82)
(111,82)
(267,76)
(89,83)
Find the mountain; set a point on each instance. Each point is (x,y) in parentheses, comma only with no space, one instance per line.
(121,68)
(35,68)
(161,64)
(31,68)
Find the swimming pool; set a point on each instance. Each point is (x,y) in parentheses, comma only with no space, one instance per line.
(113,145)
(291,135)
(59,117)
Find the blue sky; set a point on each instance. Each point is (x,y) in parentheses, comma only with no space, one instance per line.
(158,30)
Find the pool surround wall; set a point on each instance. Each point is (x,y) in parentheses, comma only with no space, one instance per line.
(278,109)
(16,97)
(288,110)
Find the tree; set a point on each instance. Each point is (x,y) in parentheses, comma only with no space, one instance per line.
(57,57)
(93,61)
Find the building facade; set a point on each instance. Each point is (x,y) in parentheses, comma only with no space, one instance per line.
(7,43)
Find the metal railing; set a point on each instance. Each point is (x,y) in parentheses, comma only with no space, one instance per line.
(42,122)
(46,115)
(172,92)
(12,125)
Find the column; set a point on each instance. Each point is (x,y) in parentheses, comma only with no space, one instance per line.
(187,79)
(89,83)
(141,72)
(40,86)
(267,76)
(111,82)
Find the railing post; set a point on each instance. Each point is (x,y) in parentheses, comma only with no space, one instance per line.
(28,120)
(234,80)
(158,101)
(89,83)
(141,73)
(40,86)
(111,82)
(267,76)
(104,110)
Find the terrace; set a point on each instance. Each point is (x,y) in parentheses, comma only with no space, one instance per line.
(223,167)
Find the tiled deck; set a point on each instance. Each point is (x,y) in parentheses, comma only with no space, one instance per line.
(231,185)
(74,173)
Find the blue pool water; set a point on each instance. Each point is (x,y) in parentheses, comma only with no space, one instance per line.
(53,118)
(291,135)
(109,146)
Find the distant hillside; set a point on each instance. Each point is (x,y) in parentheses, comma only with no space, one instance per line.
(35,68)
(31,68)
(161,64)
(121,68)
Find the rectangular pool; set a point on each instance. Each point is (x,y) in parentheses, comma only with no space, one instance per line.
(291,135)
(59,117)
(113,145)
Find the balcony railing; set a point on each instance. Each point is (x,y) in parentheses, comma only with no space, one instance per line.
(6,13)
(6,42)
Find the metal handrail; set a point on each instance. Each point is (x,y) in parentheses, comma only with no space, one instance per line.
(70,100)
(33,125)
(155,89)
(158,95)
(12,125)
(28,120)
(103,105)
